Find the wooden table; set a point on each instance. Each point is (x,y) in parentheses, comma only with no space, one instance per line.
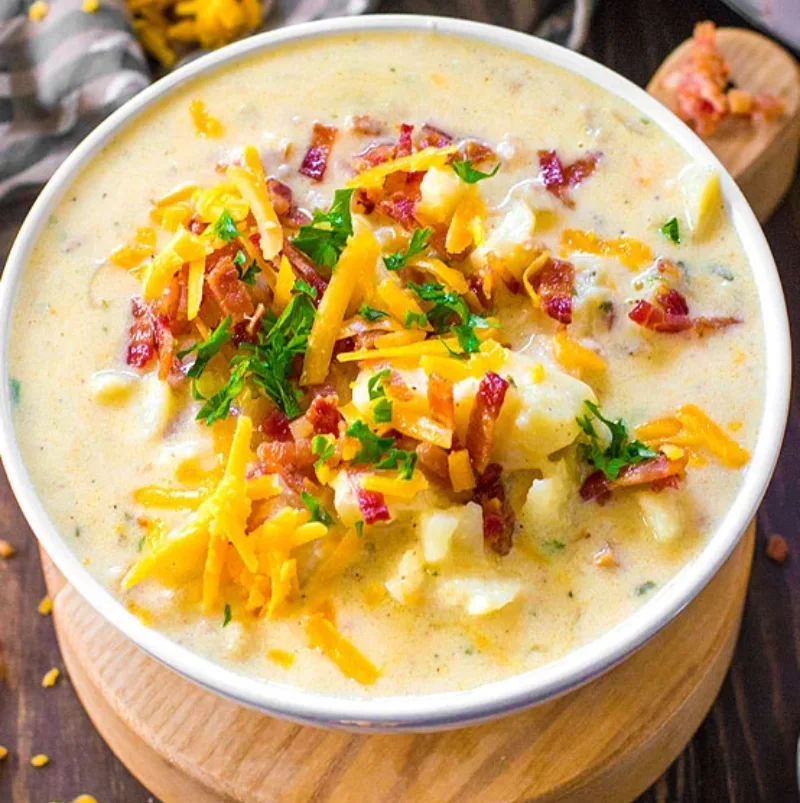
(744,751)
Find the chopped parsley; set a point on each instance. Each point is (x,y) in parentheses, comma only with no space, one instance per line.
(240,259)
(268,363)
(324,239)
(554,545)
(225,228)
(323,447)
(227,615)
(140,543)
(723,272)
(617,454)
(248,276)
(208,348)
(15,386)
(304,287)
(417,245)
(318,513)
(373,448)
(451,313)
(466,172)
(371,314)
(359,528)
(412,319)
(671,230)
(382,411)
(375,384)
(404,461)
(642,589)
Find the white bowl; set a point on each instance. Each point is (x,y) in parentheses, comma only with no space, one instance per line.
(449,709)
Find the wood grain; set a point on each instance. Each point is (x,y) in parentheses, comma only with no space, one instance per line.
(185,743)
(745,750)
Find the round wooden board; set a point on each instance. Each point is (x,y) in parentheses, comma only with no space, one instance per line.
(604,743)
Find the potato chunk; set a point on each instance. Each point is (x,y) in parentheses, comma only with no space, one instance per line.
(702,199)
(477,596)
(662,515)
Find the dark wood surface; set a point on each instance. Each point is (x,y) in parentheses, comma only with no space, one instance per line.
(745,751)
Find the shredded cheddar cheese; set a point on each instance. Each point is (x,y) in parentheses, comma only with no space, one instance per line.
(40,760)
(50,678)
(323,635)
(631,253)
(466,222)
(45,607)
(462,476)
(281,657)
(390,484)
(422,160)
(38,11)
(575,357)
(204,123)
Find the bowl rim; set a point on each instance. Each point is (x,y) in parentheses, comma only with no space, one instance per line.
(451,708)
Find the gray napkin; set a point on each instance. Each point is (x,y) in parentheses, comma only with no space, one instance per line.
(61,76)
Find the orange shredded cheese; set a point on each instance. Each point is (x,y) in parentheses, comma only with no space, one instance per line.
(50,678)
(45,606)
(399,301)
(204,123)
(451,277)
(40,760)
(281,657)
(360,253)
(3,752)
(89,6)
(38,11)
(132,254)
(283,287)
(413,351)
(466,222)
(197,277)
(341,557)
(6,550)
(406,418)
(631,253)
(183,247)
(575,357)
(171,498)
(390,484)
(416,162)
(403,338)
(323,635)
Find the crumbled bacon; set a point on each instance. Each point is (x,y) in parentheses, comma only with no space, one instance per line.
(280,195)
(705,324)
(364,124)
(373,506)
(141,335)
(440,400)
(401,195)
(372,155)
(433,460)
(276,426)
(476,152)
(670,314)
(165,344)
(404,143)
(227,252)
(241,333)
(305,269)
(293,460)
(558,178)
(397,387)
(703,93)
(324,415)
(315,162)
(673,302)
(480,430)
(554,284)
(432,137)
(229,291)
(655,470)
(498,516)
(777,548)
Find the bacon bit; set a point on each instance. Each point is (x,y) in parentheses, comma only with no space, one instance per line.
(777,548)
(241,333)
(673,303)
(559,178)
(324,416)
(440,400)
(305,269)
(400,207)
(702,87)
(294,461)
(658,320)
(362,202)
(229,291)
(432,137)
(165,343)
(315,161)
(141,335)
(605,557)
(598,486)
(706,324)
(554,286)
(280,195)
(364,124)
(480,430)
(372,505)
(498,517)
(404,143)
(276,427)
(228,251)
(476,152)
(433,460)
(372,156)
(398,389)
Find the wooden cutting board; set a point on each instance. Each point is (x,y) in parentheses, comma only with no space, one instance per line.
(605,743)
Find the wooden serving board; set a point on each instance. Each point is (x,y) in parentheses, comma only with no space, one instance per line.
(605,743)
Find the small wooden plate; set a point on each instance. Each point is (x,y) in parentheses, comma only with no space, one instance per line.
(604,743)
(762,157)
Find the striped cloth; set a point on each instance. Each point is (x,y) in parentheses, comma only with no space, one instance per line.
(61,76)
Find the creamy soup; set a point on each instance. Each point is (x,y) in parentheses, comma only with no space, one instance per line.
(387,363)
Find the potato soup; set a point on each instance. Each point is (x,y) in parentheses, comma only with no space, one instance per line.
(387,363)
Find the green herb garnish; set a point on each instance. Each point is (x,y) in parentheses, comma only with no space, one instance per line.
(371,314)
(249,276)
(323,447)
(208,348)
(140,543)
(671,230)
(240,259)
(359,528)
(375,384)
(412,319)
(417,245)
(218,405)
(15,386)
(450,312)
(382,411)
(554,545)
(466,172)
(325,237)
(373,448)
(227,615)
(617,454)
(225,228)
(405,462)
(318,513)
(642,589)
